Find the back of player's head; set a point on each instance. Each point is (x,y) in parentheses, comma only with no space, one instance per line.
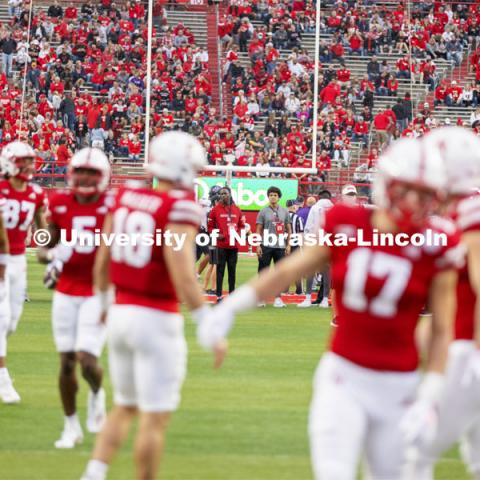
(176,157)
(459,148)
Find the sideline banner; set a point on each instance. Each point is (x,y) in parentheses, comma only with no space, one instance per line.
(249,193)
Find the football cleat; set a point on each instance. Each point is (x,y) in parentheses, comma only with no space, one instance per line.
(278,303)
(8,394)
(305,304)
(71,436)
(324,303)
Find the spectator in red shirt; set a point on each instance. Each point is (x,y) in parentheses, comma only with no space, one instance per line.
(382,123)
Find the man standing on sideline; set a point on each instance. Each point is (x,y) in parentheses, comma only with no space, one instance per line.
(313,224)
(275,220)
(227,218)
(297,228)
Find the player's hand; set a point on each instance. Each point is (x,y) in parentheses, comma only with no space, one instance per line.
(259,251)
(419,424)
(288,250)
(214,327)
(220,352)
(52,274)
(472,370)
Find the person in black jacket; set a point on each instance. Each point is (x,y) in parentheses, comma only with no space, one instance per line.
(55,10)
(8,47)
(401,114)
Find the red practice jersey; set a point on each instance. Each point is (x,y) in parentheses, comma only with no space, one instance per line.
(78,221)
(468,220)
(139,272)
(19,211)
(380,290)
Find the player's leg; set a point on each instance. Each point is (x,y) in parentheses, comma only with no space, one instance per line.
(64,323)
(149,443)
(160,367)
(17,279)
(459,408)
(337,423)
(387,397)
(470,449)
(120,331)
(232,259)
(91,336)
(8,394)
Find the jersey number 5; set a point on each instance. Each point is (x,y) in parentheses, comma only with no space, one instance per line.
(363,262)
(139,227)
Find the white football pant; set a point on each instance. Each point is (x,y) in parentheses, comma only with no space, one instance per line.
(355,413)
(11,307)
(459,416)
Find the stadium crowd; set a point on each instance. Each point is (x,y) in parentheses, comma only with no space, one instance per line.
(85,76)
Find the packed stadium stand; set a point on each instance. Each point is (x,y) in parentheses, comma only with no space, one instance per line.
(239,75)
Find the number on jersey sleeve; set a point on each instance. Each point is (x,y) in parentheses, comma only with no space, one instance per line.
(363,262)
(136,250)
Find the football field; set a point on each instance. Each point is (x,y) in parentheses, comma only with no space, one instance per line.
(247,421)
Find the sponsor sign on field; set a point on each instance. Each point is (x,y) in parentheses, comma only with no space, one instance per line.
(249,193)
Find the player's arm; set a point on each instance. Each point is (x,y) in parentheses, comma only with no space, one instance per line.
(101,277)
(4,248)
(39,218)
(443,304)
(472,241)
(418,424)
(181,268)
(44,254)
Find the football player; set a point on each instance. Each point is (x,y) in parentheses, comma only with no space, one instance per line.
(460,404)
(24,203)
(147,349)
(78,333)
(369,398)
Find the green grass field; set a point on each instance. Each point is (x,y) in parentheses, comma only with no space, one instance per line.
(247,421)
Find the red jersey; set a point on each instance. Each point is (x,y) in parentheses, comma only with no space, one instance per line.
(468,220)
(19,212)
(83,219)
(139,273)
(381,290)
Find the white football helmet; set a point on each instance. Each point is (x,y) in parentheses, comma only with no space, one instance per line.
(177,157)
(406,164)
(10,154)
(459,148)
(91,158)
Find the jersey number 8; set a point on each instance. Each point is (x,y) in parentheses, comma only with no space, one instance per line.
(135,246)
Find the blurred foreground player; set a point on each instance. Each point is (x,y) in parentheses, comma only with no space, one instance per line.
(147,348)
(460,404)
(23,203)
(78,333)
(369,398)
